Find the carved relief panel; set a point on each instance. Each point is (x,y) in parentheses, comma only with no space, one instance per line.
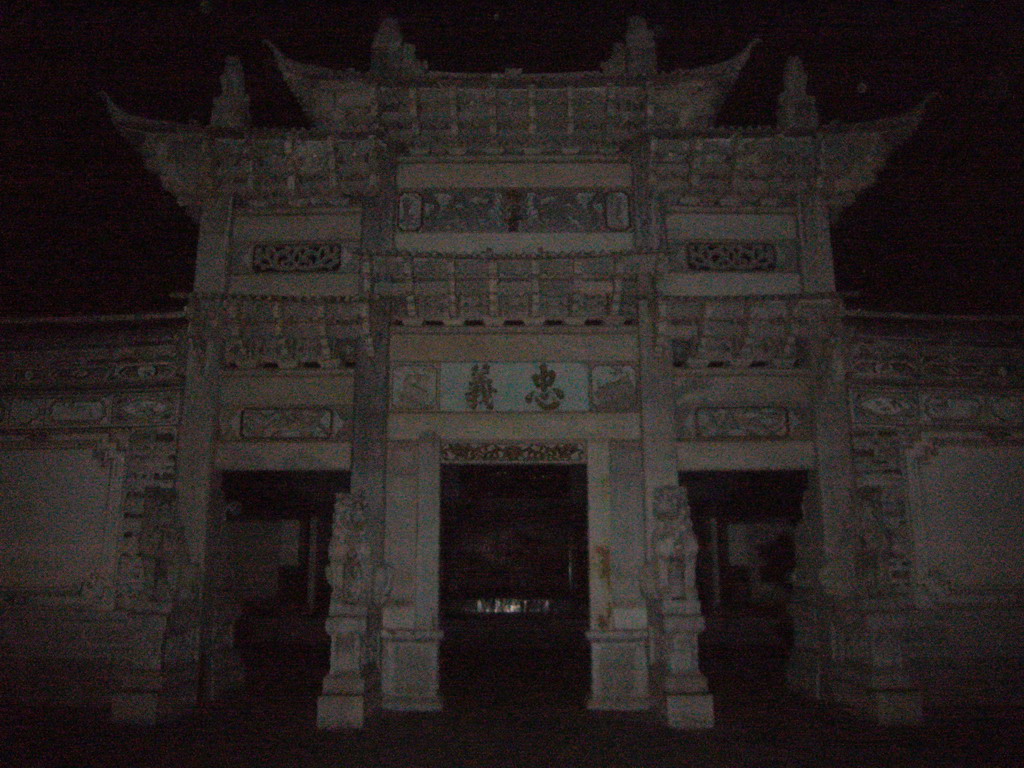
(514,210)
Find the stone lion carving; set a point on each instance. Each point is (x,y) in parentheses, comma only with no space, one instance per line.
(672,569)
(349,550)
(351,572)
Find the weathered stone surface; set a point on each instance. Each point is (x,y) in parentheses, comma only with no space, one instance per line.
(508,268)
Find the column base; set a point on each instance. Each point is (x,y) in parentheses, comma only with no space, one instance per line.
(225,671)
(882,704)
(689,711)
(618,670)
(347,701)
(335,711)
(150,707)
(409,670)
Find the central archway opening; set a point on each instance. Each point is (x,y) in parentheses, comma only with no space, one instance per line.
(514,585)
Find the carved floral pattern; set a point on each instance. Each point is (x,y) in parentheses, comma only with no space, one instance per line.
(737,422)
(613,388)
(152,407)
(279,332)
(745,332)
(513,210)
(513,452)
(914,406)
(922,361)
(730,256)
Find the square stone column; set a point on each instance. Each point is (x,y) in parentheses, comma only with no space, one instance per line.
(409,669)
(680,689)
(411,637)
(618,654)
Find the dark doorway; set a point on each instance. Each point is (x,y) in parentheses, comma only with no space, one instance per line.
(274,547)
(514,585)
(745,523)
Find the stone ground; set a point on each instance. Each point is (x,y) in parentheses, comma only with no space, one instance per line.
(507,718)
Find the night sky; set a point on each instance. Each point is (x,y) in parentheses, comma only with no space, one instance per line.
(85,229)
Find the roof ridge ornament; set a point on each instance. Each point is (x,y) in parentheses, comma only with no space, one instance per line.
(391,56)
(797,110)
(637,56)
(231,108)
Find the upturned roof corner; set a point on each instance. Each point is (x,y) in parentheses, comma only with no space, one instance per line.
(195,163)
(355,114)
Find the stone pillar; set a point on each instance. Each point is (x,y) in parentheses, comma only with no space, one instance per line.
(680,690)
(847,646)
(174,634)
(823,574)
(359,577)
(412,635)
(816,262)
(618,633)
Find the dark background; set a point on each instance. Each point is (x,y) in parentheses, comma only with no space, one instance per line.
(84,228)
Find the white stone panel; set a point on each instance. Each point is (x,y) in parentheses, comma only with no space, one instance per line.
(292,388)
(284,456)
(731,226)
(285,284)
(400,520)
(967,515)
(61,515)
(741,389)
(627,529)
(510,387)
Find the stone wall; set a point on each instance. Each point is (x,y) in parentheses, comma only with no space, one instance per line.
(96,569)
(937,409)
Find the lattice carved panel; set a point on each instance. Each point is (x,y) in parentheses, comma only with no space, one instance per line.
(303,257)
(730,256)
